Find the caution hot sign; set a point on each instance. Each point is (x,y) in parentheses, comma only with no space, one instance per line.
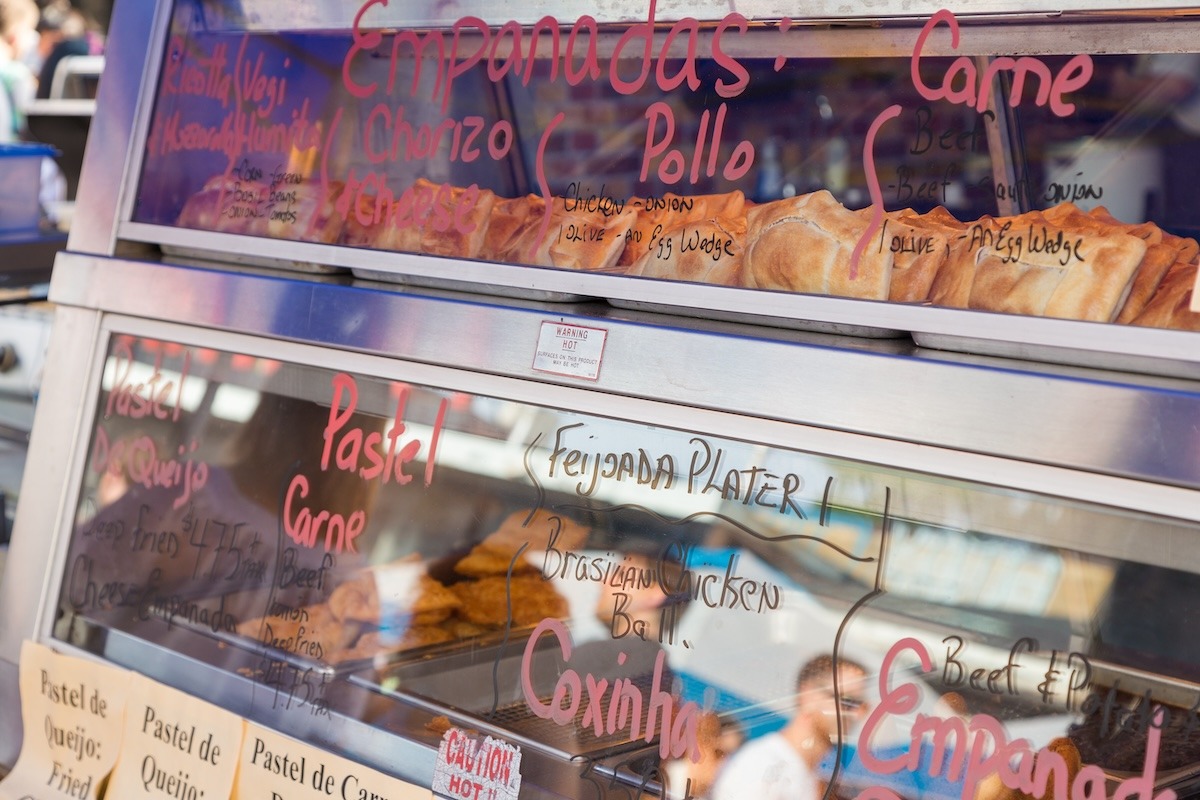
(476,768)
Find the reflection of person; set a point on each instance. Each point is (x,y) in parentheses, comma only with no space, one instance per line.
(63,32)
(783,765)
(629,649)
(632,618)
(18,34)
(1165,83)
(220,538)
(1163,93)
(716,738)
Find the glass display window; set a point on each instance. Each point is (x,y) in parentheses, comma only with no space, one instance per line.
(936,165)
(631,603)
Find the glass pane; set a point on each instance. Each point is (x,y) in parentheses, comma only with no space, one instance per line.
(1052,186)
(631,602)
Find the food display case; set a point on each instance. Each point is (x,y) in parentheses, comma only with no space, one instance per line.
(611,388)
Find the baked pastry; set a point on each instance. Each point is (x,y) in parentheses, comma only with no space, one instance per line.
(512,229)
(228,204)
(590,241)
(304,212)
(298,211)
(359,228)
(657,216)
(452,208)
(485,601)
(805,243)
(1162,251)
(535,531)
(1027,265)
(1160,257)
(1170,306)
(920,244)
(429,212)
(704,251)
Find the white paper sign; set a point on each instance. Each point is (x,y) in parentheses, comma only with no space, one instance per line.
(476,768)
(175,746)
(277,766)
(572,350)
(73,711)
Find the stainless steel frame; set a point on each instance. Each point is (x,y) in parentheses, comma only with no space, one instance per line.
(405,338)
(325,14)
(1100,28)
(884,389)
(1101,437)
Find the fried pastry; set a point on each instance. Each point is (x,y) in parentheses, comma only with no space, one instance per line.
(497,551)
(459,628)
(485,601)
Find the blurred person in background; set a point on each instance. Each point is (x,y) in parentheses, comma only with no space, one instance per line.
(1161,93)
(784,765)
(18,83)
(63,31)
(717,738)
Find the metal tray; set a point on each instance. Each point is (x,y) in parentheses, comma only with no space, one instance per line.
(451,284)
(477,684)
(1126,348)
(1134,687)
(860,330)
(247,259)
(260,649)
(1151,351)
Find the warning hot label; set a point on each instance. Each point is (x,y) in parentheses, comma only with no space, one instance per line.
(476,768)
(572,350)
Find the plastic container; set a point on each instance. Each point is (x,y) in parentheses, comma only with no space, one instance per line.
(20,185)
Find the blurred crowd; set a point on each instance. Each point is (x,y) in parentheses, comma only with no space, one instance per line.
(35,36)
